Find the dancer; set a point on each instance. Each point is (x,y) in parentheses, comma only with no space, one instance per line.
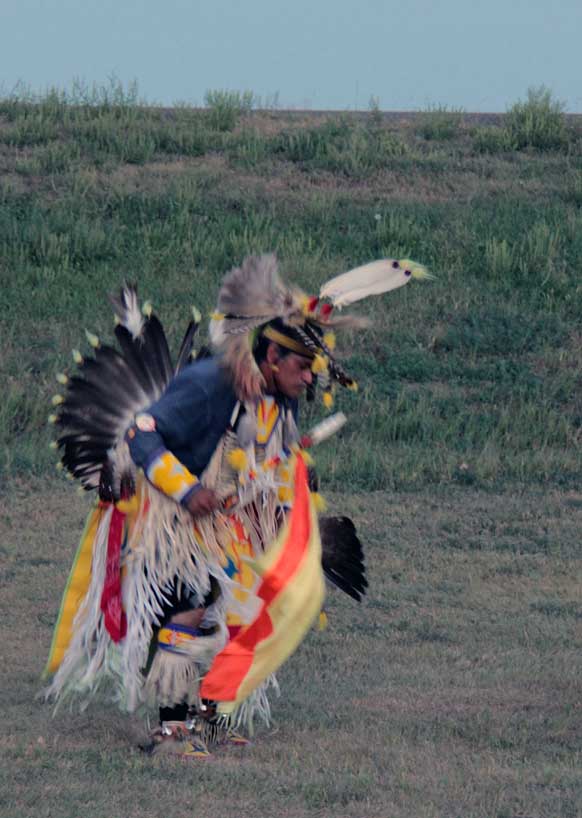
(201,566)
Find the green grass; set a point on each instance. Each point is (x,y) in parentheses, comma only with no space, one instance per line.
(538,122)
(225,108)
(440,123)
(471,377)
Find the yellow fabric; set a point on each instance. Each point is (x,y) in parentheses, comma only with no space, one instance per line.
(171,477)
(267,416)
(291,612)
(77,586)
(289,343)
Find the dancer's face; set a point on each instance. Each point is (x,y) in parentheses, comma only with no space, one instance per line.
(289,374)
(294,375)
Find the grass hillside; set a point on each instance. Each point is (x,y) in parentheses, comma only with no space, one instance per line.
(453,690)
(471,378)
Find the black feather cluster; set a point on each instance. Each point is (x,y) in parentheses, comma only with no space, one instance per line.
(101,400)
(342,556)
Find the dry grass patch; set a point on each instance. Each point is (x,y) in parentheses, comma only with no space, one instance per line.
(454,689)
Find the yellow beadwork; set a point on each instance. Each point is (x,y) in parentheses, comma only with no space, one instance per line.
(170,476)
(238,460)
(319,365)
(329,340)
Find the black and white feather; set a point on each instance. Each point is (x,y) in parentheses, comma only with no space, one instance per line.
(109,389)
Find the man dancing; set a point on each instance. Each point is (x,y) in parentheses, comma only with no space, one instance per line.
(204,519)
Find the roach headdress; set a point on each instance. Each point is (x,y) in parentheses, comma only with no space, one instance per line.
(254,301)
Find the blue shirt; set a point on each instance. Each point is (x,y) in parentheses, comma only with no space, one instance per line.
(190,417)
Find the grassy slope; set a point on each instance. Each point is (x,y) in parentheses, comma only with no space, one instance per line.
(454,690)
(470,378)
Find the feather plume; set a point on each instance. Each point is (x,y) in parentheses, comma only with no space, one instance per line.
(371,279)
(254,292)
(187,341)
(132,350)
(237,358)
(251,295)
(127,311)
(156,352)
(342,556)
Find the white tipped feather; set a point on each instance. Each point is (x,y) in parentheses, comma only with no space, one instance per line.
(371,279)
(131,317)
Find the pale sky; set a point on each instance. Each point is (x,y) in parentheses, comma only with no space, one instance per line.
(480,55)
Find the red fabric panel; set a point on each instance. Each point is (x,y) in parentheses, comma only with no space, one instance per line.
(111,605)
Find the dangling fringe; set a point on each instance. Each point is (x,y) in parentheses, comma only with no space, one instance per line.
(257,706)
(172,679)
(89,659)
(164,544)
(166,550)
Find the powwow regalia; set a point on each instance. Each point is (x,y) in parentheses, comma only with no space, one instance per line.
(151,438)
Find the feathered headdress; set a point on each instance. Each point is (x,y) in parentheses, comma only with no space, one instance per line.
(253,295)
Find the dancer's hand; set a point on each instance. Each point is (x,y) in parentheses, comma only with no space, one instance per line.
(202,502)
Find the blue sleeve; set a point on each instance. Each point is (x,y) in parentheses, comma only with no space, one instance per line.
(172,423)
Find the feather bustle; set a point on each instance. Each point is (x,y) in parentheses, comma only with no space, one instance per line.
(186,345)
(127,311)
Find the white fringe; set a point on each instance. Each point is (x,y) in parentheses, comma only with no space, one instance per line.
(164,547)
(88,660)
(257,705)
